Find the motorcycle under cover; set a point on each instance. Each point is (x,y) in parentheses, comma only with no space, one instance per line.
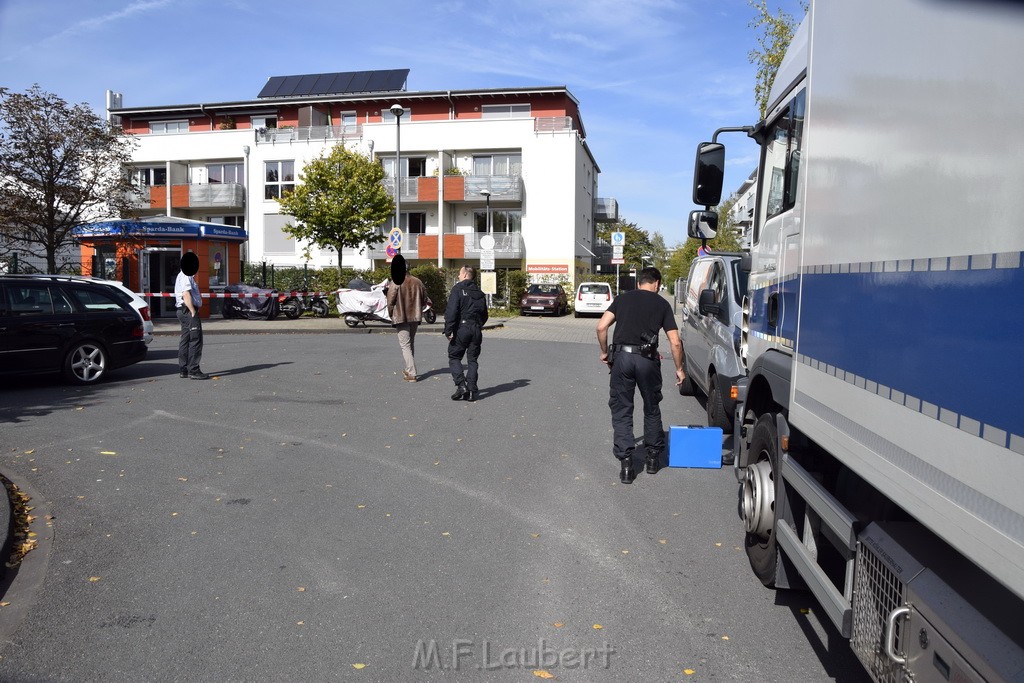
(373,302)
(262,307)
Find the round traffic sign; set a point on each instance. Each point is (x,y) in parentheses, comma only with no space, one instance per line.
(487,242)
(395,238)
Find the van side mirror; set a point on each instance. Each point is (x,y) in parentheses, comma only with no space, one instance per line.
(708,174)
(706,303)
(702,225)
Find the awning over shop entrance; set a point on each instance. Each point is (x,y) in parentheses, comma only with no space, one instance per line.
(160,226)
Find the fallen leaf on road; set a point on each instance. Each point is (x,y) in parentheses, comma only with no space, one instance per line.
(94,579)
(558,624)
(445,533)
(535,535)
(108,452)
(541,673)
(662,541)
(30,452)
(689,672)
(598,627)
(301,589)
(358,666)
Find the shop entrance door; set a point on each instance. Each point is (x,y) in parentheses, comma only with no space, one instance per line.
(159,267)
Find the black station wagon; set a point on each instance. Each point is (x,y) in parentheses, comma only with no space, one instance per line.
(51,324)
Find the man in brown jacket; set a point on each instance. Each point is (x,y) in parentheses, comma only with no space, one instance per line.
(406,298)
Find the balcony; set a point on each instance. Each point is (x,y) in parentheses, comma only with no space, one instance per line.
(194,196)
(309,134)
(507,245)
(410,189)
(501,187)
(552,124)
(606,210)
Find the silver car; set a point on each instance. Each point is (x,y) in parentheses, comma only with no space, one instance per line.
(711,304)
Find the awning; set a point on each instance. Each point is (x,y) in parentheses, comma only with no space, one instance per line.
(160,226)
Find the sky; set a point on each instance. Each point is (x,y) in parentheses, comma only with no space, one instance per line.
(653,77)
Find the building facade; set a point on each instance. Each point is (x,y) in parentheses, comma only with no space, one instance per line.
(511,163)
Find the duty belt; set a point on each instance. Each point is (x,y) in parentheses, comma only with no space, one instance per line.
(645,351)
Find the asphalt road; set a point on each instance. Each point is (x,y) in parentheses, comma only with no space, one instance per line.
(307,516)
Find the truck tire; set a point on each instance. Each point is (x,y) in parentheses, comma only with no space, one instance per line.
(758,492)
(717,415)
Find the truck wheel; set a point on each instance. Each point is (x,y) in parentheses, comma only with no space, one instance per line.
(717,415)
(291,308)
(86,363)
(757,500)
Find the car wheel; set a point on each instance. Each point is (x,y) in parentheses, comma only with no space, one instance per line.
(717,415)
(686,388)
(575,314)
(86,363)
(291,308)
(758,493)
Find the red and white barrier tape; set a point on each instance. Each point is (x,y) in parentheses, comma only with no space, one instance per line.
(220,295)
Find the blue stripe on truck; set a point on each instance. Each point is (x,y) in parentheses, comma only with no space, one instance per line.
(947,332)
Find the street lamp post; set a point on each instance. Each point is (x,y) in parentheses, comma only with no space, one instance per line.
(397,111)
(487,199)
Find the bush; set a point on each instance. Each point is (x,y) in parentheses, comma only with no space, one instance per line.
(435,280)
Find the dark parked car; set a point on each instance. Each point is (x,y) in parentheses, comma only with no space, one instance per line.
(52,324)
(544,299)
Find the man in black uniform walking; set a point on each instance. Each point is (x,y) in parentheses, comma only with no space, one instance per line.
(463,319)
(639,317)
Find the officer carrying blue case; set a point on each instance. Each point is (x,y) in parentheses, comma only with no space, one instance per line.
(695,446)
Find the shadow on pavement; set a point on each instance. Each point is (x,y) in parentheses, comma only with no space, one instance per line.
(834,651)
(249,368)
(502,388)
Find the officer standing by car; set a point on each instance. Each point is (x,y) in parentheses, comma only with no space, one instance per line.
(639,317)
(464,319)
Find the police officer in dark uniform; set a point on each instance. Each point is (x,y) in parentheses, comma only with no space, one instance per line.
(639,317)
(463,319)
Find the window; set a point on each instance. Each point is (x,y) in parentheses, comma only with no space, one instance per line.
(504,111)
(349,122)
(96,301)
(412,167)
(148,177)
(29,300)
(498,164)
(237,221)
(279,177)
(502,220)
(414,223)
(388,117)
(168,127)
(225,173)
(269,121)
(781,162)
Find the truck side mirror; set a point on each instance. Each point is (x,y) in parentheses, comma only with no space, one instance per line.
(702,225)
(708,174)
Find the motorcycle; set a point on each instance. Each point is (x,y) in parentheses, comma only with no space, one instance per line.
(293,306)
(361,303)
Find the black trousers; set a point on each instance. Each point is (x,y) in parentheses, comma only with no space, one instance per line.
(631,371)
(465,342)
(190,346)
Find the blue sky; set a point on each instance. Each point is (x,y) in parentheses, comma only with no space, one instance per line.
(653,77)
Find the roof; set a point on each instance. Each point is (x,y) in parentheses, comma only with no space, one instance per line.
(345,82)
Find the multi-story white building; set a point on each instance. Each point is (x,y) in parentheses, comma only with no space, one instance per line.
(518,155)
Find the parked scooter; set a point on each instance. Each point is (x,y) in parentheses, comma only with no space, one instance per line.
(294,306)
(361,303)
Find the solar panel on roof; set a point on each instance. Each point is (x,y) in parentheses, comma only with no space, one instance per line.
(346,82)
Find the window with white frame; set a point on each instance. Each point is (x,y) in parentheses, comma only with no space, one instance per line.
(168,127)
(348,121)
(278,178)
(412,167)
(497,164)
(414,222)
(388,117)
(148,177)
(225,173)
(268,121)
(504,111)
(502,220)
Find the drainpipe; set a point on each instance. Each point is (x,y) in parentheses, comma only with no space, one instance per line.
(202,108)
(451,106)
(440,208)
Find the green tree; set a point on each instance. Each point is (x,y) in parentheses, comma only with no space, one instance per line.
(60,166)
(638,242)
(340,202)
(659,252)
(776,33)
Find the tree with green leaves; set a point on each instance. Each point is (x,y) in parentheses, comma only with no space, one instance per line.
(60,166)
(659,251)
(339,202)
(638,242)
(776,34)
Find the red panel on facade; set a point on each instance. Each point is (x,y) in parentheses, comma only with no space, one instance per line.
(158,197)
(427,190)
(179,196)
(426,247)
(454,189)
(454,246)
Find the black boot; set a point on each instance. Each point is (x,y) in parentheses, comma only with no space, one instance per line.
(460,392)
(470,395)
(653,463)
(628,473)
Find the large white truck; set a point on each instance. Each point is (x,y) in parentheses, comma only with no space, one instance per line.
(880,442)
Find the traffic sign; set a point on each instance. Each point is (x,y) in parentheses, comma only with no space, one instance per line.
(618,261)
(618,239)
(391,252)
(395,238)
(487,259)
(617,251)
